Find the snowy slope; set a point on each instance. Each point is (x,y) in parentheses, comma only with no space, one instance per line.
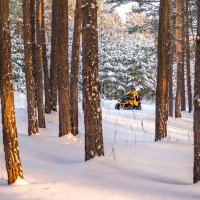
(134,166)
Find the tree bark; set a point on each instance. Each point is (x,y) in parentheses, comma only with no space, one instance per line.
(10,141)
(33,40)
(189,88)
(183,101)
(63,70)
(91,84)
(40,106)
(45,65)
(54,59)
(162,68)
(74,68)
(179,59)
(196,125)
(171,62)
(30,84)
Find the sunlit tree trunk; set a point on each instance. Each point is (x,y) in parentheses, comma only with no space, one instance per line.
(74,68)
(179,59)
(30,84)
(196,125)
(54,57)
(10,141)
(162,71)
(62,68)
(189,88)
(91,84)
(40,105)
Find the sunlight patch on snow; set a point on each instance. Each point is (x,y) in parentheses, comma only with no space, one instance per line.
(20,181)
(69,138)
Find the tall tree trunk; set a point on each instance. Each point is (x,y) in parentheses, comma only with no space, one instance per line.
(162,68)
(63,70)
(10,141)
(91,85)
(40,106)
(171,62)
(183,104)
(33,40)
(179,59)
(30,84)
(189,88)
(196,125)
(54,57)
(45,65)
(74,68)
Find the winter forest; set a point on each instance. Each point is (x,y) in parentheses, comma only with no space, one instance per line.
(100,99)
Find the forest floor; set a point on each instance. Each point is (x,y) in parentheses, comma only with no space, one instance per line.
(134,166)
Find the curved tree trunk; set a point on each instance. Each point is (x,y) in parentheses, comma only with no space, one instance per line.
(10,141)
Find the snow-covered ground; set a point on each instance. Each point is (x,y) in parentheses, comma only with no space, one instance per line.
(134,166)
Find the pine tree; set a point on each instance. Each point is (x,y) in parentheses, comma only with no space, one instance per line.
(13,163)
(39,59)
(33,40)
(30,84)
(45,64)
(74,68)
(62,68)
(54,59)
(183,100)
(171,57)
(91,84)
(196,124)
(162,74)
(179,58)
(189,90)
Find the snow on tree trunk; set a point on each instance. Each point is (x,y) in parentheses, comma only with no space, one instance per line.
(91,85)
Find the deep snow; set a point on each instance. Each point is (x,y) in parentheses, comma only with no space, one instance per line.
(134,166)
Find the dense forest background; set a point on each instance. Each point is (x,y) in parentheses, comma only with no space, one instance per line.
(127,47)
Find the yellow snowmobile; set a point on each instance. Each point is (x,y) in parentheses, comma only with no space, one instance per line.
(129,101)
